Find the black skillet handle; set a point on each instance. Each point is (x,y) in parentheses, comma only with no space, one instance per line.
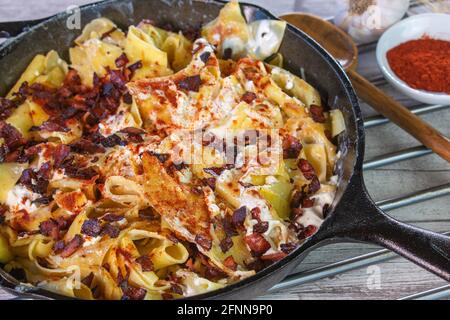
(14,28)
(358,218)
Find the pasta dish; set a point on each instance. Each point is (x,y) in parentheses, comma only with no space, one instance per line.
(161,164)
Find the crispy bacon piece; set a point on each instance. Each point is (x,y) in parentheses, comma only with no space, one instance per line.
(192,83)
(226,244)
(72,246)
(317,113)
(110,230)
(203,242)
(249,97)
(6,108)
(239,216)
(49,228)
(111,217)
(176,288)
(84,146)
(261,227)
(297,213)
(314,186)
(230,263)
(291,147)
(257,243)
(60,153)
(307,169)
(134,135)
(80,173)
(122,61)
(112,141)
(210,182)
(132,293)
(13,138)
(288,247)
(229,228)
(91,227)
(274,256)
(256,213)
(146,263)
(308,203)
(148,214)
(50,126)
(307,232)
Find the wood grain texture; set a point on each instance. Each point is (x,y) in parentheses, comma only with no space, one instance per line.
(398,277)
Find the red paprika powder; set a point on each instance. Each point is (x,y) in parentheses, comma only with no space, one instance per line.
(423,64)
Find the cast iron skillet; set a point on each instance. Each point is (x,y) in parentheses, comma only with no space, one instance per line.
(353,215)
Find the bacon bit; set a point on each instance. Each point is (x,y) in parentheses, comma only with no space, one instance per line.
(203,242)
(146,263)
(307,232)
(134,135)
(59,246)
(291,147)
(13,138)
(111,217)
(205,56)
(229,228)
(65,222)
(110,230)
(307,169)
(230,263)
(248,97)
(192,83)
(210,182)
(50,126)
(288,247)
(257,243)
(36,182)
(172,238)
(148,214)
(317,113)
(91,227)
(82,174)
(328,134)
(226,244)
(314,186)
(87,281)
(297,199)
(6,108)
(60,153)
(122,61)
(135,66)
(239,216)
(166,296)
(132,293)
(72,246)
(176,289)
(297,213)
(49,228)
(112,141)
(261,227)
(274,256)
(308,203)
(84,146)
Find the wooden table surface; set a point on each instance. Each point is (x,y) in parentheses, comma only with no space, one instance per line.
(398,277)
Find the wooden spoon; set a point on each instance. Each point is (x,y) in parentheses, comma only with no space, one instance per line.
(342,47)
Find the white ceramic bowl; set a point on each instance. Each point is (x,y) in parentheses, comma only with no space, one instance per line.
(435,25)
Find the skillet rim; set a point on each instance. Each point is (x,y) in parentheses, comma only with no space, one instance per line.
(358,147)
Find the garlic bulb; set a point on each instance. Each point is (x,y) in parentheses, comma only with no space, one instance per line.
(366,20)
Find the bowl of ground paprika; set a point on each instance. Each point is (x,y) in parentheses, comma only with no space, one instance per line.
(414,56)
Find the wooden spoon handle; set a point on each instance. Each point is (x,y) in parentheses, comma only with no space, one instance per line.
(401,116)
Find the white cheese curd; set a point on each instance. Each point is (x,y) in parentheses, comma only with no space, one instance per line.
(314,215)
(20,198)
(90,241)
